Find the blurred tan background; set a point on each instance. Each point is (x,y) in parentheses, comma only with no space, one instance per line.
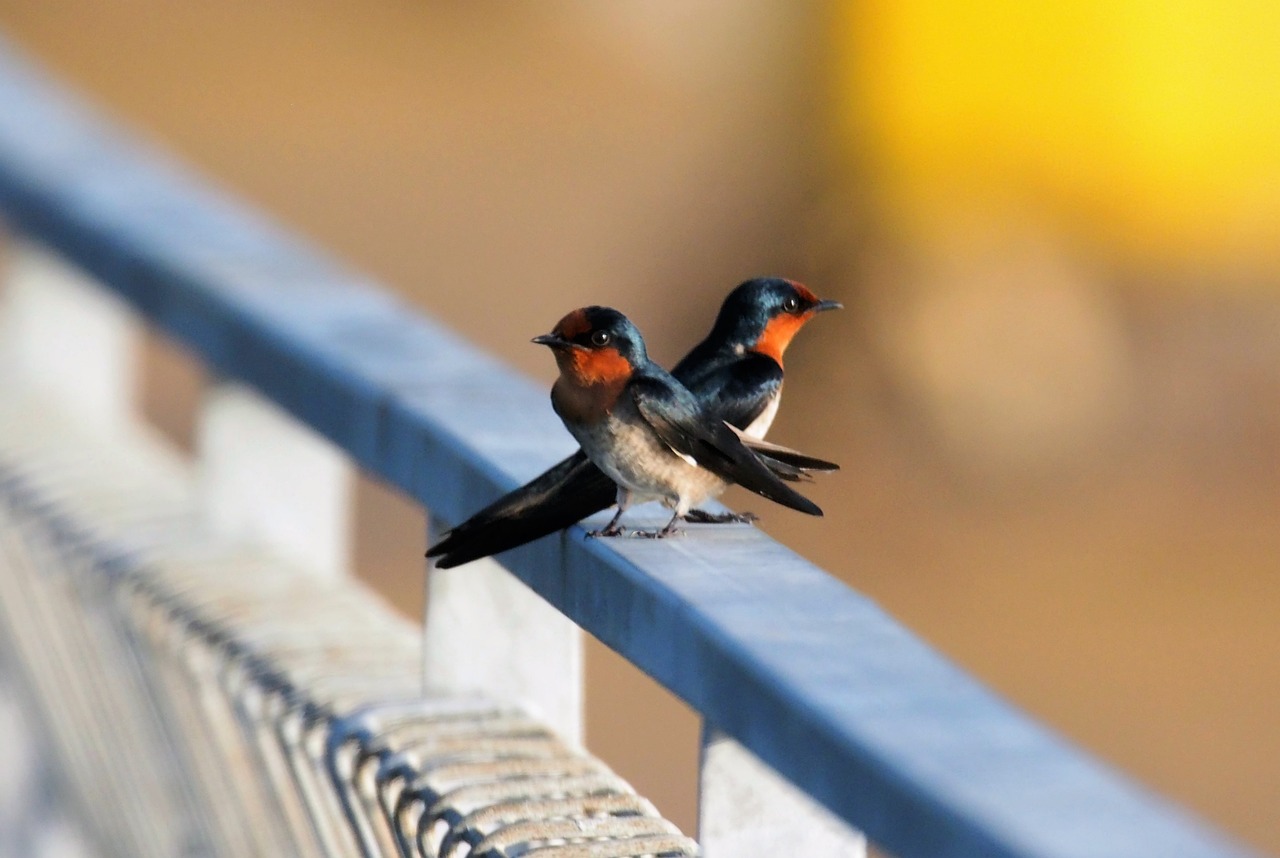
(1055,389)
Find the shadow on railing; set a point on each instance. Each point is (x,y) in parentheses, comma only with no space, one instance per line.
(268,672)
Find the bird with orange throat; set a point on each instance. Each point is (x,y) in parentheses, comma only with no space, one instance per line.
(735,372)
(644,429)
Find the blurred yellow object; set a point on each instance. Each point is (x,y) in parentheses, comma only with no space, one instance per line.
(1152,127)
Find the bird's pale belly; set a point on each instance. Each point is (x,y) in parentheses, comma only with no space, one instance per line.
(759,427)
(631,455)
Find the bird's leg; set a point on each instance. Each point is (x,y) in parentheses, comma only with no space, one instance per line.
(698,516)
(613,528)
(610,529)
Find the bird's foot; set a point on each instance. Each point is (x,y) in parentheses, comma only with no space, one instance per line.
(698,516)
(656,534)
(611,530)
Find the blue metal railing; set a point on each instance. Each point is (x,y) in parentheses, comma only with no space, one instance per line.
(803,671)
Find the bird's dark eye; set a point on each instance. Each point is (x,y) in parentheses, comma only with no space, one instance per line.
(600,338)
(791,304)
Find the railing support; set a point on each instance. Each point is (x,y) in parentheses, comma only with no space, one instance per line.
(268,477)
(35,821)
(68,337)
(747,810)
(487,632)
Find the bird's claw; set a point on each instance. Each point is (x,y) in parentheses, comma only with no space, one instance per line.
(606,532)
(698,516)
(656,534)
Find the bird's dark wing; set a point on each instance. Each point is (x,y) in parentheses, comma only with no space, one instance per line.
(674,415)
(563,495)
(785,455)
(736,391)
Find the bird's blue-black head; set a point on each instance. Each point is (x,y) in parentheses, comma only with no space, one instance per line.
(596,344)
(765,313)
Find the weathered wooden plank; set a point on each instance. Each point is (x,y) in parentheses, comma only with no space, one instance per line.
(812,678)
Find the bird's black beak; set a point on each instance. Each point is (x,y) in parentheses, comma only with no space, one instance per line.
(823,306)
(554,341)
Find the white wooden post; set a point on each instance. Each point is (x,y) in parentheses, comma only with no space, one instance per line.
(264,474)
(747,810)
(76,346)
(487,632)
(34,819)
(267,477)
(67,338)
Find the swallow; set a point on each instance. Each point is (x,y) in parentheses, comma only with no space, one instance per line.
(644,429)
(736,371)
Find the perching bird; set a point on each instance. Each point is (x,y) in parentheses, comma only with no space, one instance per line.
(644,429)
(737,374)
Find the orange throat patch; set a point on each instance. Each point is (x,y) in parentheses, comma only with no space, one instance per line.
(778,333)
(590,383)
(596,367)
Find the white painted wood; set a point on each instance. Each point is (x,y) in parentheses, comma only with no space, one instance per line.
(487,632)
(265,476)
(19,771)
(70,339)
(747,810)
